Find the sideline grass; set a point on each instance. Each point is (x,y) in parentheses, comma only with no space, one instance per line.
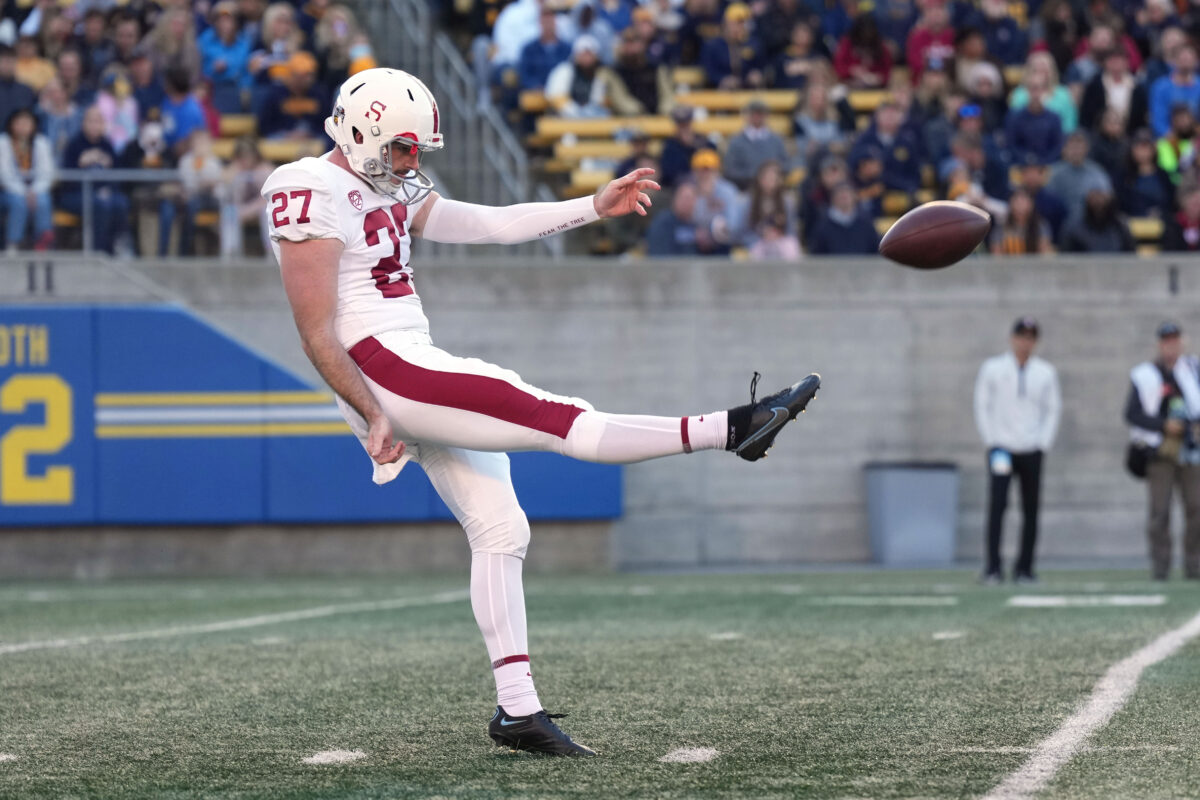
(823,695)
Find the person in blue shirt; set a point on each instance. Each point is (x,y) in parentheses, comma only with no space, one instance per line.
(181,112)
(1034,130)
(735,59)
(225,58)
(1181,86)
(148,87)
(542,54)
(675,162)
(900,147)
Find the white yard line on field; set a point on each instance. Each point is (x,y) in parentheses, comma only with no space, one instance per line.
(239,623)
(1085,601)
(1111,692)
(334,757)
(689,755)
(7,757)
(945,636)
(878,600)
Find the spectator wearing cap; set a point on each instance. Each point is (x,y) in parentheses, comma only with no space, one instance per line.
(734,60)
(720,213)
(1181,87)
(587,21)
(148,88)
(1145,189)
(862,59)
(677,151)
(1114,88)
(1177,149)
(646,25)
(1041,75)
(1017,411)
(985,87)
(932,36)
(1005,39)
(639,155)
(649,83)
(798,60)
(1162,410)
(817,124)
(844,228)
(754,145)
(295,108)
(1034,130)
(1073,177)
(977,153)
(1031,177)
(672,231)
(543,54)
(180,112)
(1098,228)
(899,145)
(1182,232)
(583,87)
(225,58)
(14,95)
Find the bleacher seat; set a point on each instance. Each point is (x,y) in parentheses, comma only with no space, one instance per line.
(715,100)
(598,148)
(551,129)
(692,77)
(234,125)
(587,181)
(865,101)
(1146,229)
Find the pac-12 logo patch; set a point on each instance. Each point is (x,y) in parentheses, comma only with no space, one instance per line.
(355,199)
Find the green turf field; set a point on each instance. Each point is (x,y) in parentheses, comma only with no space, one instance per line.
(835,685)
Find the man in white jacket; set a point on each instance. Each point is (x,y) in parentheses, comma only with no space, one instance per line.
(1017,408)
(1162,411)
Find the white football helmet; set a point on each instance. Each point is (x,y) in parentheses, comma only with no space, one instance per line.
(375,108)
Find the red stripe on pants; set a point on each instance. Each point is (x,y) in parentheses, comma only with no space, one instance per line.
(478,393)
(500,662)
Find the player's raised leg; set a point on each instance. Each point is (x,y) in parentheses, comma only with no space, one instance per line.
(433,396)
(478,490)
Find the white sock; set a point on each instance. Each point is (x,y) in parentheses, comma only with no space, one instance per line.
(626,438)
(498,600)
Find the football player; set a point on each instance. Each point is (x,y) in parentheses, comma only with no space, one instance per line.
(341,226)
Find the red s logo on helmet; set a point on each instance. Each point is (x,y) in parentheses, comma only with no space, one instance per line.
(376,111)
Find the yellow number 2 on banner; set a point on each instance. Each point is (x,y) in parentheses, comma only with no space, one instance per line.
(17,486)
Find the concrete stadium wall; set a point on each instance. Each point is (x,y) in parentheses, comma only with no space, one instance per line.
(898,351)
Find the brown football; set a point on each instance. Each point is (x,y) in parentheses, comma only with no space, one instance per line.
(936,234)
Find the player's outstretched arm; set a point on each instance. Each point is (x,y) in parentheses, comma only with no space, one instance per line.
(455,222)
(309,270)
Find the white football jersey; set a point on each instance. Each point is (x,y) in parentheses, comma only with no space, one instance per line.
(315,199)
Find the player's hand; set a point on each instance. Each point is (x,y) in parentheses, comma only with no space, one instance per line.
(379,442)
(1173,427)
(625,195)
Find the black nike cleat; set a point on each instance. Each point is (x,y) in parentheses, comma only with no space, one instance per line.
(769,415)
(535,733)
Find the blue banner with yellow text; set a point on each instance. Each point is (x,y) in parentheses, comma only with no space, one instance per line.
(147,415)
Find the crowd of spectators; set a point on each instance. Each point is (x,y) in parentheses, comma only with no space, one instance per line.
(98,84)
(1100,126)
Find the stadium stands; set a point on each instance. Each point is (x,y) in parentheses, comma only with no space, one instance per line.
(956,87)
